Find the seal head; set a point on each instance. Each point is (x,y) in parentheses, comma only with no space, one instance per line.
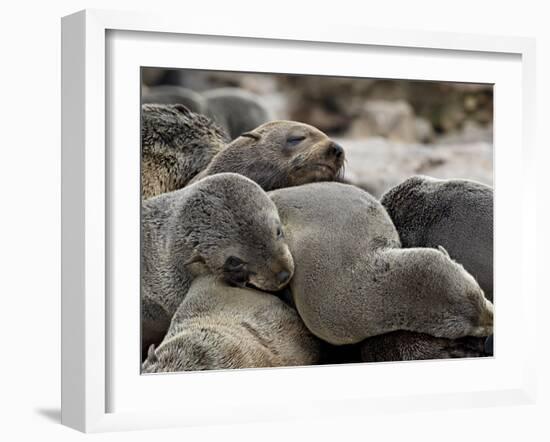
(233,230)
(224,225)
(281,154)
(456,214)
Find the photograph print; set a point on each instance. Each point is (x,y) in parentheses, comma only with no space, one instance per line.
(299,220)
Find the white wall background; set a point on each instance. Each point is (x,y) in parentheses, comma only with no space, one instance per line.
(30,215)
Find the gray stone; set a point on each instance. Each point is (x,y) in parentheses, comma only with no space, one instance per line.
(394,120)
(377,164)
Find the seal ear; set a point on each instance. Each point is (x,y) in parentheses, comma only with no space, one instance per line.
(442,250)
(251,135)
(151,355)
(182,109)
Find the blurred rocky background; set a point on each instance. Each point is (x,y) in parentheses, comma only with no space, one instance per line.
(390,129)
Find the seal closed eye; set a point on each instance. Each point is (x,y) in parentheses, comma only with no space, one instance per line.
(179,147)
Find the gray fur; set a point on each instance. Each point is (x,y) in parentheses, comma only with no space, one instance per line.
(411,346)
(265,156)
(219,327)
(353,281)
(236,110)
(456,214)
(193,231)
(176,144)
(170,94)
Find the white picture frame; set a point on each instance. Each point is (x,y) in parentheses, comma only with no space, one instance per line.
(94,359)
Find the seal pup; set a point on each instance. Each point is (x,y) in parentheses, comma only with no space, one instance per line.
(280,154)
(224,225)
(353,281)
(406,346)
(218,326)
(236,110)
(411,346)
(455,214)
(176,144)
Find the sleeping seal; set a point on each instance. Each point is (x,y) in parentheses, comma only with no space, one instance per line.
(352,279)
(219,326)
(224,225)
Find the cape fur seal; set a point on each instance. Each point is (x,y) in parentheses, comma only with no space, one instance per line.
(406,346)
(411,346)
(236,110)
(176,144)
(280,154)
(224,225)
(353,281)
(455,214)
(218,327)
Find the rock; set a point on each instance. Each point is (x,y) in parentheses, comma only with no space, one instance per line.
(378,164)
(152,76)
(236,110)
(277,103)
(328,103)
(471,132)
(170,94)
(424,130)
(394,120)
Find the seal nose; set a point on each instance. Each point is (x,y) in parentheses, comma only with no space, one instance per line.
(283,276)
(336,150)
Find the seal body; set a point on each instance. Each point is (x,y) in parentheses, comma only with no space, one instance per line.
(218,326)
(353,281)
(455,214)
(224,225)
(176,144)
(236,110)
(411,346)
(280,154)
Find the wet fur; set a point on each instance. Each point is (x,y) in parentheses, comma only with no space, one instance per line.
(456,214)
(353,281)
(219,327)
(176,144)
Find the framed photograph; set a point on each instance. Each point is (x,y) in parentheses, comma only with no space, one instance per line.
(265,223)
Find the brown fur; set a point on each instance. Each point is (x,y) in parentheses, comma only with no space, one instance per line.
(176,144)
(218,326)
(268,156)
